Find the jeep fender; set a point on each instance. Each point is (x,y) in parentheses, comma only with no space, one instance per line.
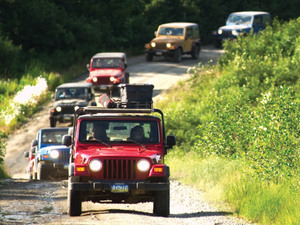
(71,169)
(197,43)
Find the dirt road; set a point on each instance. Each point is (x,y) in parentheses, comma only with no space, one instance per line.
(36,202)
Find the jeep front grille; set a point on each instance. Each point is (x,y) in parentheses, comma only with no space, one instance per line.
(119,169)
(161,46)
(103,80)
(64,156)
(227,33)
(67,109)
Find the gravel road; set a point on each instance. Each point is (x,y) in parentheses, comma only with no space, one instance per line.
(35,202)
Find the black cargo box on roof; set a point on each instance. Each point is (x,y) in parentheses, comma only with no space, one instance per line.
(141,93)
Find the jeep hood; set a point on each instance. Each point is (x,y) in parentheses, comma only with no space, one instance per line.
(106,72)
(65,102)
(235,27)
(168,39)
(119,151)
(47,149)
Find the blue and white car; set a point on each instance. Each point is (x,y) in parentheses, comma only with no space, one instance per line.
(48,158)
(241,23)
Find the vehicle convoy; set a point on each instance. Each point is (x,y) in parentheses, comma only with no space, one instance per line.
(117,156)
(241,23)
(48,158)
(172,40)
(107,70)
(67,99)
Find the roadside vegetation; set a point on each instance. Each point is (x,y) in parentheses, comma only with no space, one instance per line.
(244,145)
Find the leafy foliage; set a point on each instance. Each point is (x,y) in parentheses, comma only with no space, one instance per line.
(245,112)
(252,110)
(3,137)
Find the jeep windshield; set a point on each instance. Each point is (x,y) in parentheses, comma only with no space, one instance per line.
(171,31)
(53,137)
(71,93)
(236,19)
(119,131)
(102,63)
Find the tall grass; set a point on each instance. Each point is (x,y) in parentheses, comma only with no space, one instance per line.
(21,98)
(229,185)
(243,117)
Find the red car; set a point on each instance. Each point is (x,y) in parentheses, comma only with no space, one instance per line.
(117,156)
(107,70)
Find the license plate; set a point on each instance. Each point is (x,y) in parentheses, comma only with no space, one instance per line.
(119,188)
(158,53)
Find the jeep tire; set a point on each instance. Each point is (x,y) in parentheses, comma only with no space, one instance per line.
(126,78)
(41,171)
(217,44)
(161,204)
(195,52)
(52,122)
(149,57)
(74,201)
(178,55)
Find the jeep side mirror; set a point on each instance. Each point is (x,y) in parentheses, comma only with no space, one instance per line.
(155,33)
(52,96)
(26,154)
(171,141)
(88,67)
(33,150)
(34,143)
(67,140)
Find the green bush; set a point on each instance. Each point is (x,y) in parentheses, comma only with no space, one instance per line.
(3,137)
(245,110)
(9,57)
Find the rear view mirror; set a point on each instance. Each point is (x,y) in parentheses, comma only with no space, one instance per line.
(67,140)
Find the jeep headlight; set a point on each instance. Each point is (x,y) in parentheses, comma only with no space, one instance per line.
(168,45)
(143,165)
(95,79)
(58,109)
(235,33)
(220,31)
(95,165)
(112,79)
(54,154)
(76,107)
(153,44)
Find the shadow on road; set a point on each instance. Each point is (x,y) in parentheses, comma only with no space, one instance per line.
(183,215)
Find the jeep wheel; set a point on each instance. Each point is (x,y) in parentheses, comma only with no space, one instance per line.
(149,57)
(41,171)
(195,52)
(161,205)
(74,201)
(217,44)
(52,122)
(34,177)
(127,78)
(178,55)
(30,177)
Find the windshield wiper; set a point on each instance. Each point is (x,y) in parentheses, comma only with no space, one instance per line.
(134,141)
(102,142)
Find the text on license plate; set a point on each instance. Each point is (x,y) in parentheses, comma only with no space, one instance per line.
(119,188)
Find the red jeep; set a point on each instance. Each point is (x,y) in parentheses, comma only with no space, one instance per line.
(108,70)
(117,156)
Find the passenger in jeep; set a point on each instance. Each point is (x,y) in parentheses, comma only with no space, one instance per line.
(99,133)
(137,134)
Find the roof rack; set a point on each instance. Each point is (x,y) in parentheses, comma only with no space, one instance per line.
(133,96)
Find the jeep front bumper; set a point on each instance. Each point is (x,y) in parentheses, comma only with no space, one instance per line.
(160,52)
(119,187)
